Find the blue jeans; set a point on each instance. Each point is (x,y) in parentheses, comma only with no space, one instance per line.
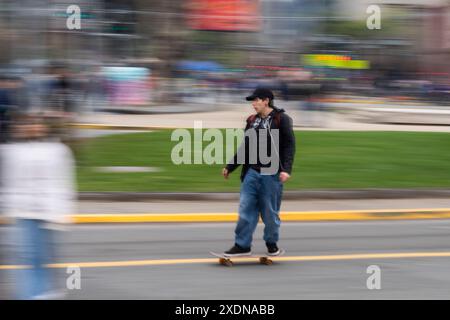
(260,194)
(35,249)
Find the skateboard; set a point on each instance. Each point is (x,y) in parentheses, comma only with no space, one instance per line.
(262,258)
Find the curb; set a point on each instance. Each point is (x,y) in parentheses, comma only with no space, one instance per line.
(293,216)
(311,216)
(287,195)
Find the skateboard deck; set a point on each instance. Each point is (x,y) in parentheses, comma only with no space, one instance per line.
(261,258)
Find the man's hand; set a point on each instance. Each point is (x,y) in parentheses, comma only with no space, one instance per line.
(284,176)
(225,173)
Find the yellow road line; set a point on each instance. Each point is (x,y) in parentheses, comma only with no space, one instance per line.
(155,217)
(343,215)
(12,267)
(155,262)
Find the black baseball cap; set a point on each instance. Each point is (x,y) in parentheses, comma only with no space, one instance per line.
(261,93)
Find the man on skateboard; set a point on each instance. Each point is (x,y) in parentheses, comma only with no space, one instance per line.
(261,186)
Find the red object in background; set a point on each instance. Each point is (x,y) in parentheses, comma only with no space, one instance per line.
(224,15)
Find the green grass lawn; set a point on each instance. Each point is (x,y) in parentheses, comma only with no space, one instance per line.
(324,159)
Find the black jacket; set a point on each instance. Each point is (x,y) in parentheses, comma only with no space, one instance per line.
(282,122)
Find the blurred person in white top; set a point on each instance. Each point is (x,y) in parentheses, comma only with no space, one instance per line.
(38,190)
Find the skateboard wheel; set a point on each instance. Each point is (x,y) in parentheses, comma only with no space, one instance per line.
(226,262)
(265,260)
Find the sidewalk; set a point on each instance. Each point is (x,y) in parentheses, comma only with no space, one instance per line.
(226,211)
(234,115)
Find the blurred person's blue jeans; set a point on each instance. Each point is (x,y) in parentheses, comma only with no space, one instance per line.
(35,248)
(260,194)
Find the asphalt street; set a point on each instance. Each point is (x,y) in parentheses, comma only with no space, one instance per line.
(172,261)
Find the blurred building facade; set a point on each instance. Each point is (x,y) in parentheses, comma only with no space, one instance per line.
(236,35)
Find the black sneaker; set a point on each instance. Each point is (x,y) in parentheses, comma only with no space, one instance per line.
(272,249)
(237,251)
